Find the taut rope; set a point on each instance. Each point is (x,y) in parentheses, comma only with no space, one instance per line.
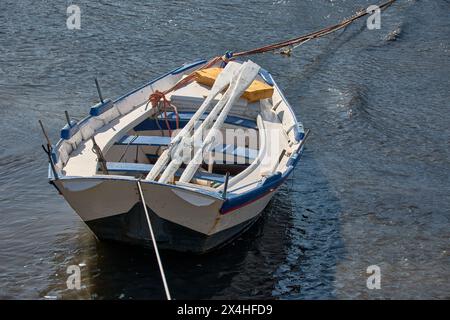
(287,45)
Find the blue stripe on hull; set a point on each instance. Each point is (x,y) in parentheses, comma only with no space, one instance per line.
(269,185)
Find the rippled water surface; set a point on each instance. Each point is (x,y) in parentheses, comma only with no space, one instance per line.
(373,187)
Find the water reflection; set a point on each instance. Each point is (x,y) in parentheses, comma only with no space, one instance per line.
(115,271)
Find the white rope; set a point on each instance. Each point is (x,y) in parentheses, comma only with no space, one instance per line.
(161,269)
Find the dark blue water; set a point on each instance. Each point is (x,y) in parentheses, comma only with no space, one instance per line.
(373,187)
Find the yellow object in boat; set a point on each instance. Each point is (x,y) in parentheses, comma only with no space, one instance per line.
(256,91)
(207,77)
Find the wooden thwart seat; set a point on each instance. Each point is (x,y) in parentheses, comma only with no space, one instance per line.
(247,153)
(155,141)
(138,168)
(184,117)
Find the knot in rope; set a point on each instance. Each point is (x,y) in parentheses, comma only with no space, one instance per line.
(226,58)
(158,100)
(156,97)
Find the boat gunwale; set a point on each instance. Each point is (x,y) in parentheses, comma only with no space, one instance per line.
(214,195)
(174,71)
(234,201)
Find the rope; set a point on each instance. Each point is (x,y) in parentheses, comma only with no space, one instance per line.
(313,35)
(287,45)
(155,246)
(156,97)
(100,158)
(126,149)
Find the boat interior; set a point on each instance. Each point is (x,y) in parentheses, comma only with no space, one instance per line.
(131,135)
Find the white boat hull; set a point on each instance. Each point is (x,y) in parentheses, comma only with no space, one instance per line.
(183,220)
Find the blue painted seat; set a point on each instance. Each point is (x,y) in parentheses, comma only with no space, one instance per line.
(229,119)
(249,154)
(144,141)
(143,168)
(128,167)
(184,117)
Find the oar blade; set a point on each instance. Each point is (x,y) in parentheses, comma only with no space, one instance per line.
(224,78)
(247,73)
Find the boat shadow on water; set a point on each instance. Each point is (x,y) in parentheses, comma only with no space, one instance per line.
(117,271)
(135,273)
(111,270)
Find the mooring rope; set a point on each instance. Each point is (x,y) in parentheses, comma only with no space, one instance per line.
(155,246)
(288,45)
(313,35)
(157,97)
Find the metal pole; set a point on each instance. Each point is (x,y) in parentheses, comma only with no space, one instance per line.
(98,90)
(67,118)
(308,131)
(45,133)
(225,187)
(50,160)
(155,246)
(48,151)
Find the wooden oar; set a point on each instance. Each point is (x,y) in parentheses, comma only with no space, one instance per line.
(222,81)
(248,73)
(187,142)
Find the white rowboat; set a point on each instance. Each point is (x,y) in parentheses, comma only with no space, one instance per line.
(202,186)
